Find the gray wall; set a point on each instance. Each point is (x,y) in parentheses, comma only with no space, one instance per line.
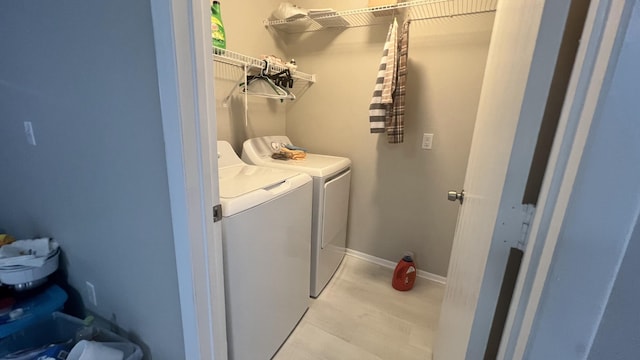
(246,34)
(598,231)
(84,74)
(618,336)
(398,191)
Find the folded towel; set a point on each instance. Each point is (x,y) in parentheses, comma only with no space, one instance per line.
(279,156)
(293,147)
(293,154)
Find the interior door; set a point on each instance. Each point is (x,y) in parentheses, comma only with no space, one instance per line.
(522,55)
(185,84)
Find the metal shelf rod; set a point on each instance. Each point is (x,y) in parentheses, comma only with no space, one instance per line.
(415,11)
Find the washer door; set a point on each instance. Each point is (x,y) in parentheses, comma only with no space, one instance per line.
(336,210)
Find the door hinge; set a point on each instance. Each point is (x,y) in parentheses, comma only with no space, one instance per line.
(217,213)
(528,210)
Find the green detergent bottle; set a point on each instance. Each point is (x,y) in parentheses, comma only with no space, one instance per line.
(218,38)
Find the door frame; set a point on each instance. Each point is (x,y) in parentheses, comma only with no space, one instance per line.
(521,62)
(600,45)
(185,77)
(186,81)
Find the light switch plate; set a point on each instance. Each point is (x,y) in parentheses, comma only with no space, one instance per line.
(91,294)
(427,141)
(28,131)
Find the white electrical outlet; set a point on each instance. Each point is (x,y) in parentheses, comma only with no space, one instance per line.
(91,294)
(427,141)
(28,131)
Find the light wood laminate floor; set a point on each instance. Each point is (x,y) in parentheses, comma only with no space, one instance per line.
(360,316)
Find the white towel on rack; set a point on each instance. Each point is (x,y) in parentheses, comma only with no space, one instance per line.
(389,84)
(384,82)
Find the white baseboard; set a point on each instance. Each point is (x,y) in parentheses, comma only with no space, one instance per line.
(391,265)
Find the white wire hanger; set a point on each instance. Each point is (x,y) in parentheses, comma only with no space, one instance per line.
(262,85)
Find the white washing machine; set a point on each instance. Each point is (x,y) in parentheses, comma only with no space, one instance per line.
(266,234)
(331,182)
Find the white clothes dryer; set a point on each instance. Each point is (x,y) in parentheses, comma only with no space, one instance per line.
(266,234)
(331,182)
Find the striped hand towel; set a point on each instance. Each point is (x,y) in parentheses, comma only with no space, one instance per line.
(378,109)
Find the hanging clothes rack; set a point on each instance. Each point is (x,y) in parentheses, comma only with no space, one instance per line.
(268,85)
(300,81)
(414,10)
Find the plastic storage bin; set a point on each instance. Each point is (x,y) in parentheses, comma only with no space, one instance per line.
(59,328)
(36,309)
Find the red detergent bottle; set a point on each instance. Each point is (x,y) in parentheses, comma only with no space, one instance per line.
(404,276)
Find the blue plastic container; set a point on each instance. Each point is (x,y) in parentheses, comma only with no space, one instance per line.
(65,330)
(34,309)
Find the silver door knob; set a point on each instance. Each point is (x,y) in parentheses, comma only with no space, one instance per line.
(454,195)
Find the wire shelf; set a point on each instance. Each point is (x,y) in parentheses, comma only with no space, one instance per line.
(232,76)
(236,59)
(414,10)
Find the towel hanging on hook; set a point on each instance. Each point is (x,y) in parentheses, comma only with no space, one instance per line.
(382,99)
(387,106)
(395,119)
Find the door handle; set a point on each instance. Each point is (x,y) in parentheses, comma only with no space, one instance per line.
(454,195)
